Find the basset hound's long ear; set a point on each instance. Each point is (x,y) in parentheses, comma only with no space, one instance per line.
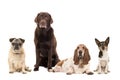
(86,57)
(75,58)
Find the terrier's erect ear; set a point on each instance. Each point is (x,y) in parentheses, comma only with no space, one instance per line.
(107,41)
(97,41)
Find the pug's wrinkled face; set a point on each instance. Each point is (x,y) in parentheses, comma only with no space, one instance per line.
(16,44)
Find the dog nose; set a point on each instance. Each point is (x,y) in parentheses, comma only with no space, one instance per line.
(80,52)
(43,22)
(16,47)
(103,47)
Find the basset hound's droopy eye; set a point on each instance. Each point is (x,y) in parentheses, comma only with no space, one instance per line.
(78,47)
(83,47)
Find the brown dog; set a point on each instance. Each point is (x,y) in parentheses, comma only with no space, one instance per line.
(45,42)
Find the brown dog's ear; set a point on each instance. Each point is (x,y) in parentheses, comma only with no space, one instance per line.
(36,18)
(86,57)
(107,40)
(51,20)
(97,41)
(22,40)
(75,58)
(11,39)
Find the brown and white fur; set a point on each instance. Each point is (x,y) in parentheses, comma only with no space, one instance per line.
(103,56)
(79,63)
(16,58)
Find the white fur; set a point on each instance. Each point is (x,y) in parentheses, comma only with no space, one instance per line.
(69,67)
(103,62)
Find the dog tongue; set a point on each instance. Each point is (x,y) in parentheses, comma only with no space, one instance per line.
(80,57)
(41,26)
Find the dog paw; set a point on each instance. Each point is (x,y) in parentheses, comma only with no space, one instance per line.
(108,71)
(99,72)
(105,72)
(11,72)
(90,73)
(68,73)
(50,70)
(24,72)
(36,69)
(29,70)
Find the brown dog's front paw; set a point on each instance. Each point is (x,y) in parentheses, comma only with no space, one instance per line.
(36,69)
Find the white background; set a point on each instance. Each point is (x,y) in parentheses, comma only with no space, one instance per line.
(75,22)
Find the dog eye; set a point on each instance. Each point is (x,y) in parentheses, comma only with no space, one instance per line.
(83,47)
(13,43)
(77,47)
(99,44)
(19,44)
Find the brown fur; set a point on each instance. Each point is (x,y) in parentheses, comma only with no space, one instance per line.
(45,42)
(76,60)
(86,57)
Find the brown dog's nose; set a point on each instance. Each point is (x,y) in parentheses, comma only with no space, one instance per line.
(43,22)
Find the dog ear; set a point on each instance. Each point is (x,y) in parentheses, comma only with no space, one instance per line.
(22,40)
(75,58)
(97,41)
(51,20)
(107,40)
(11,39)
(36,18)
(86,57)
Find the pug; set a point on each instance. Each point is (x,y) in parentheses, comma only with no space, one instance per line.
(16,57)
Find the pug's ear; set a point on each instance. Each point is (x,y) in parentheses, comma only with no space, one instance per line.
(22,40)
(11,39)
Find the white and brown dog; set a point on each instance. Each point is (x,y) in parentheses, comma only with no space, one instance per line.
(79,63)
(103,56)
(16,58)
